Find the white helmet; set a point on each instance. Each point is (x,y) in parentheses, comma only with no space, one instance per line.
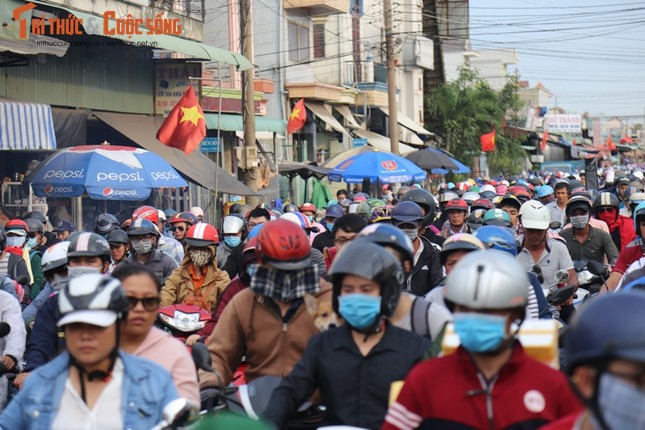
(638,174)
(232,224)
(162,215)
(535,215)
(470,197)
(55,256)
(92,299)
(488,280)
(197,211)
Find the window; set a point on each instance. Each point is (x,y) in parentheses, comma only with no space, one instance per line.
(319,40)
(298,42)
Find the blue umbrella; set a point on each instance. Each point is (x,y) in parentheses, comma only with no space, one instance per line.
(382,166)
(462,168)
(104,172)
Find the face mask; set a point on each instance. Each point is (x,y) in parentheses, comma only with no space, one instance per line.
(329,226)
(32,243)
(75,272)
(480,333)
(200,257)
(359,310)
(58,281)
(621,403)
(15,241)
(310,218)
(580,221)
(232,241)
(609,217)
(251,268)
(142,246)
(412,233)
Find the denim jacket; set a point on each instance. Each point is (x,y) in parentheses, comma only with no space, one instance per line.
(147,388)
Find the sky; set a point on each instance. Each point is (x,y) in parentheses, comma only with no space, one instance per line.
(590,54)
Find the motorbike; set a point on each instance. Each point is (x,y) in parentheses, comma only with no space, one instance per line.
(559,292)
(182,320)
(592,275)
(177,414)
(249,399)
(7,391)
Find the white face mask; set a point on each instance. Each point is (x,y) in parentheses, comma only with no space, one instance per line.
(15,241)
(580,221)
(75,272)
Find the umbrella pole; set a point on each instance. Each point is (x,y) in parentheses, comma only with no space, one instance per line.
(291,189)
(77,210)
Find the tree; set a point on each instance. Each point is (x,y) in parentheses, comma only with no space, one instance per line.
(467,108)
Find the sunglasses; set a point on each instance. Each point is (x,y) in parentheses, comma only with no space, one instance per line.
(538,272)
(149,303)
(177,228)
(606,210)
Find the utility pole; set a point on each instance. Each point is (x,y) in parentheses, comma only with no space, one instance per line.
(250,174)
(393,124)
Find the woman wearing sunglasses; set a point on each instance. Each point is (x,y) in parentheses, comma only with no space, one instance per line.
(139,336)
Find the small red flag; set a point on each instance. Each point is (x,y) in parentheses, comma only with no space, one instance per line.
(298,117)
(488,141)
(545,137)
(611,146)
(185,126)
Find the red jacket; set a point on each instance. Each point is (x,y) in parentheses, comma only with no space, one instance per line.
(449,393)
(626,232)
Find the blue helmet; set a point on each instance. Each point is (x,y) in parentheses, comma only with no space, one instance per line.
(496,237)
(639,211)
(334,211)
(589,339)
(255,230)
(545,190)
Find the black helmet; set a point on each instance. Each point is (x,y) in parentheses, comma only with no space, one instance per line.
(118,236)
(35,226)
(590,340)
(289,208)
(105,223)
(36,215)
(384,269)
(84,244)
(578,202)
(387,235)
(406,212)
(475,219)
(605,200)
(425,200)
(142,227)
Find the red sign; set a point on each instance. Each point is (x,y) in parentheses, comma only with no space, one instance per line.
(389,164)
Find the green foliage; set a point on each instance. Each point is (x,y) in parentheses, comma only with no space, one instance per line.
(467,108)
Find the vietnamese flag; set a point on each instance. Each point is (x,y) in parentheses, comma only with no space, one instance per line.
(298,117)
(488,141)
(611,146)
(185,126)
(545,137)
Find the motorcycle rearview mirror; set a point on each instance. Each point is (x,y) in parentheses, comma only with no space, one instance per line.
(178,413)
(554,225)
(202,357)
(596,268)
(562,275)
(561,295)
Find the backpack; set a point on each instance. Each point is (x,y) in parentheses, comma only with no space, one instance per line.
(419,317)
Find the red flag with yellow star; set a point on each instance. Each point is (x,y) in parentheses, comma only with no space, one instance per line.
(185,126)
(487,141)
(298,117)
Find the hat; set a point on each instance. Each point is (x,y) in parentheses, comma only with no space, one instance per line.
(99,318)
(18,231)
(65,226)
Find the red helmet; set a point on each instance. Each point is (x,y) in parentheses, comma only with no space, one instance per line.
(201,235)
(284,245)
(308,207)
(16,224)
(186,217)
(146,212)
(456,205)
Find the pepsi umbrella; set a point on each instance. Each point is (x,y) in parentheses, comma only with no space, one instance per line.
(377,166)
(104,172)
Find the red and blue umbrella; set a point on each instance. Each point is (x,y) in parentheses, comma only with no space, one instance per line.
(104,172)
(377,166)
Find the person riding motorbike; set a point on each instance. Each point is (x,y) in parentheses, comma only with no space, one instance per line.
(621,228)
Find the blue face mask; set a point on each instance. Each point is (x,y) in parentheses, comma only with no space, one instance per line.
(329,226)
(232,241)
(15,241)
(480,333)
(32,243)
(251,268)
(359,310)
(310,218)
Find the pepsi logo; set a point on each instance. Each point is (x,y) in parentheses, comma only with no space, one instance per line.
(49,188)
(389,164)
(108,192)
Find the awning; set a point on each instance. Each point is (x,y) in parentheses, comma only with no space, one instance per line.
(231,122)
(381,142)
(347,114)
(323,114)
(26,126)
(142,129)
(304,170)
(36,44)
(93,24)
(408,123)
